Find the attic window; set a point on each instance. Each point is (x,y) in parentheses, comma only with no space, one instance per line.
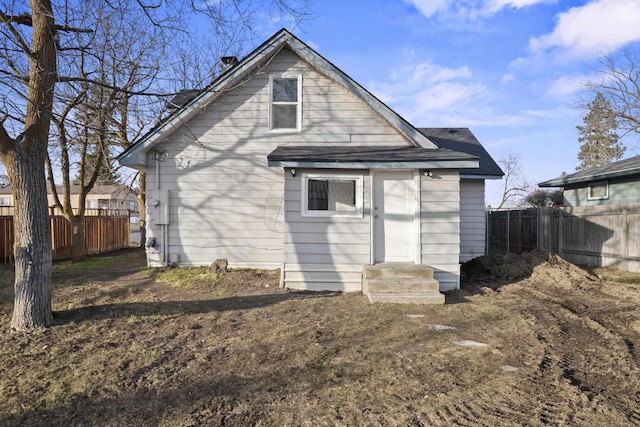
(598,190)
(285,103)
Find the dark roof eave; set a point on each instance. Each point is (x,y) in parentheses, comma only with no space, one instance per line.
(426,164)
(561,182)
(471,175)
(369,157)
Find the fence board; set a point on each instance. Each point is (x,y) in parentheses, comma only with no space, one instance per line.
(596,236)
(105,231)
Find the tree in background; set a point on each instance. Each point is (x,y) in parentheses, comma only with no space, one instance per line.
(618,82)
(544,198)
(515,186)
(599,142)
(122,61)
(40,49)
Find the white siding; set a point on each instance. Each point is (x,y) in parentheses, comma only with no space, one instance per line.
(440,226)
(225,202)
(472,219)
(325,253)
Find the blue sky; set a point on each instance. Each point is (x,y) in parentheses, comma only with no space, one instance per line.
(513,71)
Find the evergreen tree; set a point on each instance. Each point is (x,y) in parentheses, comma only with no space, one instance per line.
(599,142)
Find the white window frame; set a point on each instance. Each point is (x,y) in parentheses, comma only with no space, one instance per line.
(359,181)
(298,102)
(598,183)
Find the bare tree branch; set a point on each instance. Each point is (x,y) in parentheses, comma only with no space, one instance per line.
(17,36)
(25,19)
(514,186)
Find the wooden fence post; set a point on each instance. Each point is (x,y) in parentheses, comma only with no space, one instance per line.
(486,232)
(625,239)
(508,229)
(538,211)
(560,232)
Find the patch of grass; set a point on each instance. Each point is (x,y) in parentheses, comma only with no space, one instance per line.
(616,275)
(6,288)
(92,263)
(184,277)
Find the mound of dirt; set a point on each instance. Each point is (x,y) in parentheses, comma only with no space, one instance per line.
(537,265)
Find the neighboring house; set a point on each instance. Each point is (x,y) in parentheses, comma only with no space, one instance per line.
(613,184)
(101,197)
(104,197)
(6,197)
(285,162)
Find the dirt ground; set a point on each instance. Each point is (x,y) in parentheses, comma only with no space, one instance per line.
(529,340)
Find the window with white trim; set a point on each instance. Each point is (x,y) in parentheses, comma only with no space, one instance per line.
(331,195)
(5,201)
(598,190)
(285,99)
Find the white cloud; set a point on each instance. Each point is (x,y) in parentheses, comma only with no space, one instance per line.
(429,94)
(508,78)
(431,7)
(494,6)
(567,85)
(599,27)
(470,9)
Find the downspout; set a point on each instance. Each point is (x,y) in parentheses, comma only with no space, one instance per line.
(165,231)
(163,227)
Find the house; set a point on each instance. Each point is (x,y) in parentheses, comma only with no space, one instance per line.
(111,196)
(286,162)
(100,197)
(617,183)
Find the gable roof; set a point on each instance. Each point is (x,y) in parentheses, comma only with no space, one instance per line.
(626,167)
(463,140)
(134,156)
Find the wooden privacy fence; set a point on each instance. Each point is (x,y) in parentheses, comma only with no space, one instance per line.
(104,231)
(598,236)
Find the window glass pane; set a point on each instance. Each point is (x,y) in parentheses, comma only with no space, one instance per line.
(285,90)
(284,116)
(338,195)
(598,191)
(318,195)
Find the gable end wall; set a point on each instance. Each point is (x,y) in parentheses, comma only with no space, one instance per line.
(224,200)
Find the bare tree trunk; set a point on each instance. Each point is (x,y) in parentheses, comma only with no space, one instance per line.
(24,158)
(32,248)
(78,245)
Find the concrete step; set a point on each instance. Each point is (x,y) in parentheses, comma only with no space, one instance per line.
(397,271)
(408,298)
(403,285)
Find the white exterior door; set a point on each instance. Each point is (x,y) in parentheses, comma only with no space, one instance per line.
(394,210)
